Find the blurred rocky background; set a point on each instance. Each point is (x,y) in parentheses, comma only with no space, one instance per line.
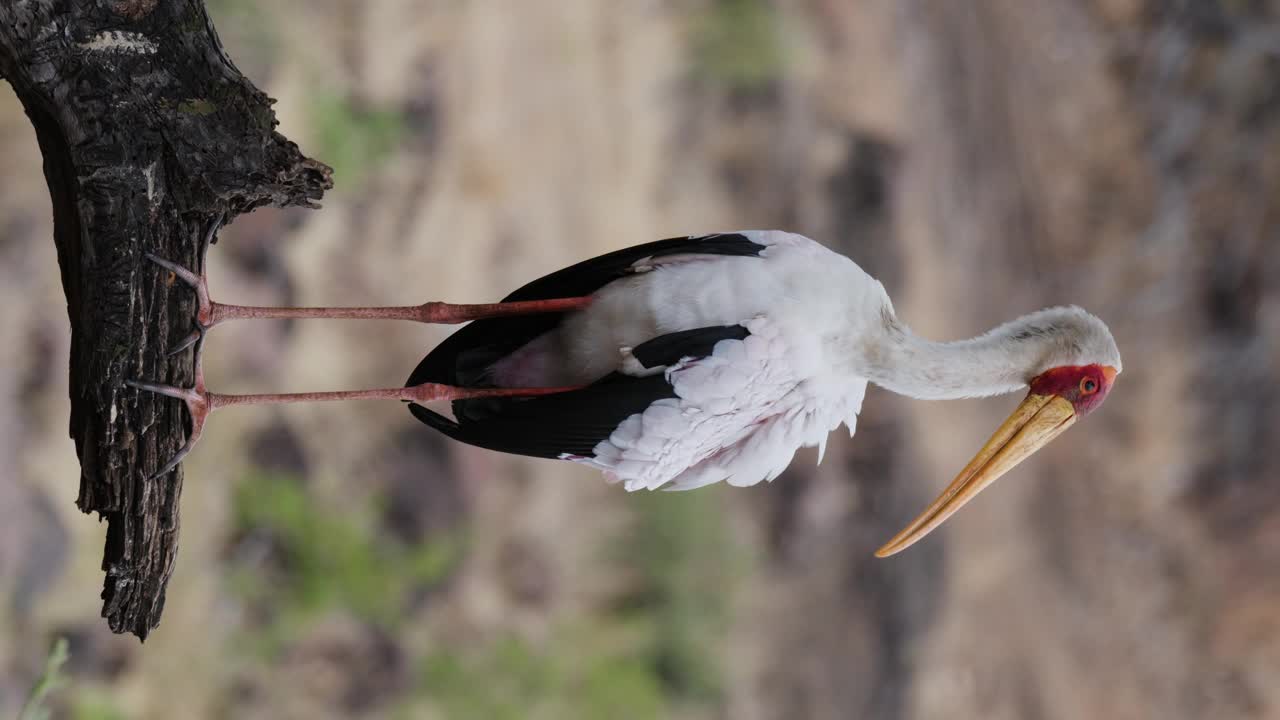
(983,159)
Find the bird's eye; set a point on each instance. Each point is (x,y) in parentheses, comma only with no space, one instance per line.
(1088,386)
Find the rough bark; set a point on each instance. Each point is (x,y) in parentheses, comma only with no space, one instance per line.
(149,133)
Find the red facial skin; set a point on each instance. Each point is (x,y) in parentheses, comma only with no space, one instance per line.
(1070,383)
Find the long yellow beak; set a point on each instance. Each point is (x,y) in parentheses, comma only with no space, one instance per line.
(1039,419)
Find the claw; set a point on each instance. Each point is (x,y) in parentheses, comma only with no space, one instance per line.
(184,274)
(177,458)
(196,336)
(214,227)
(190,396)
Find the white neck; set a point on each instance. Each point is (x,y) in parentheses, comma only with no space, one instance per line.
(998,362)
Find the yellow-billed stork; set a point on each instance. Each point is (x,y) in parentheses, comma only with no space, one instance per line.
(688,361)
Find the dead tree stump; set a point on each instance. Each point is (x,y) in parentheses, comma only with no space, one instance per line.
(149,133)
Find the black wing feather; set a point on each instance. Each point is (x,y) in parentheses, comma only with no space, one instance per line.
(549,426)
(462,358)
(575,422)
(670,348)
(588,276)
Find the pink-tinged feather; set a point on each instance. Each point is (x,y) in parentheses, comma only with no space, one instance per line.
(739,417)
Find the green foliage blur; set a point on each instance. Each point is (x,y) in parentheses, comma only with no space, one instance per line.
(353,138)
(327,559)
(738,44)
(656,648)
(656,645)
(50,679)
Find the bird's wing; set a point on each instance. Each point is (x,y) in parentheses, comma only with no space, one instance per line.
(465,355)
(737,414)
(574,423)
(743,400)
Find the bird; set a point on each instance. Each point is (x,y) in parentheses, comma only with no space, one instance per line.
(689,361)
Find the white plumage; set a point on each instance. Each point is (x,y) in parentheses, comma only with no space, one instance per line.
(743,411)
(740,415)
(799,284)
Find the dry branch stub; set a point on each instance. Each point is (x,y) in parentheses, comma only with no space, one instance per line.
(149,133)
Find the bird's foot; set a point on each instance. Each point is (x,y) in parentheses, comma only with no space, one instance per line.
(199,401)
(205,313)
(204,310)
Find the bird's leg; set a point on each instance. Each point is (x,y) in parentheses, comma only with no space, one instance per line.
(438,313)
(200,402)
(211,313)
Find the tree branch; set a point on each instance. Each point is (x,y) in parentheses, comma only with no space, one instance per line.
(149,133)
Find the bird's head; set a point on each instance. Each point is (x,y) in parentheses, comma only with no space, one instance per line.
(1072,377)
